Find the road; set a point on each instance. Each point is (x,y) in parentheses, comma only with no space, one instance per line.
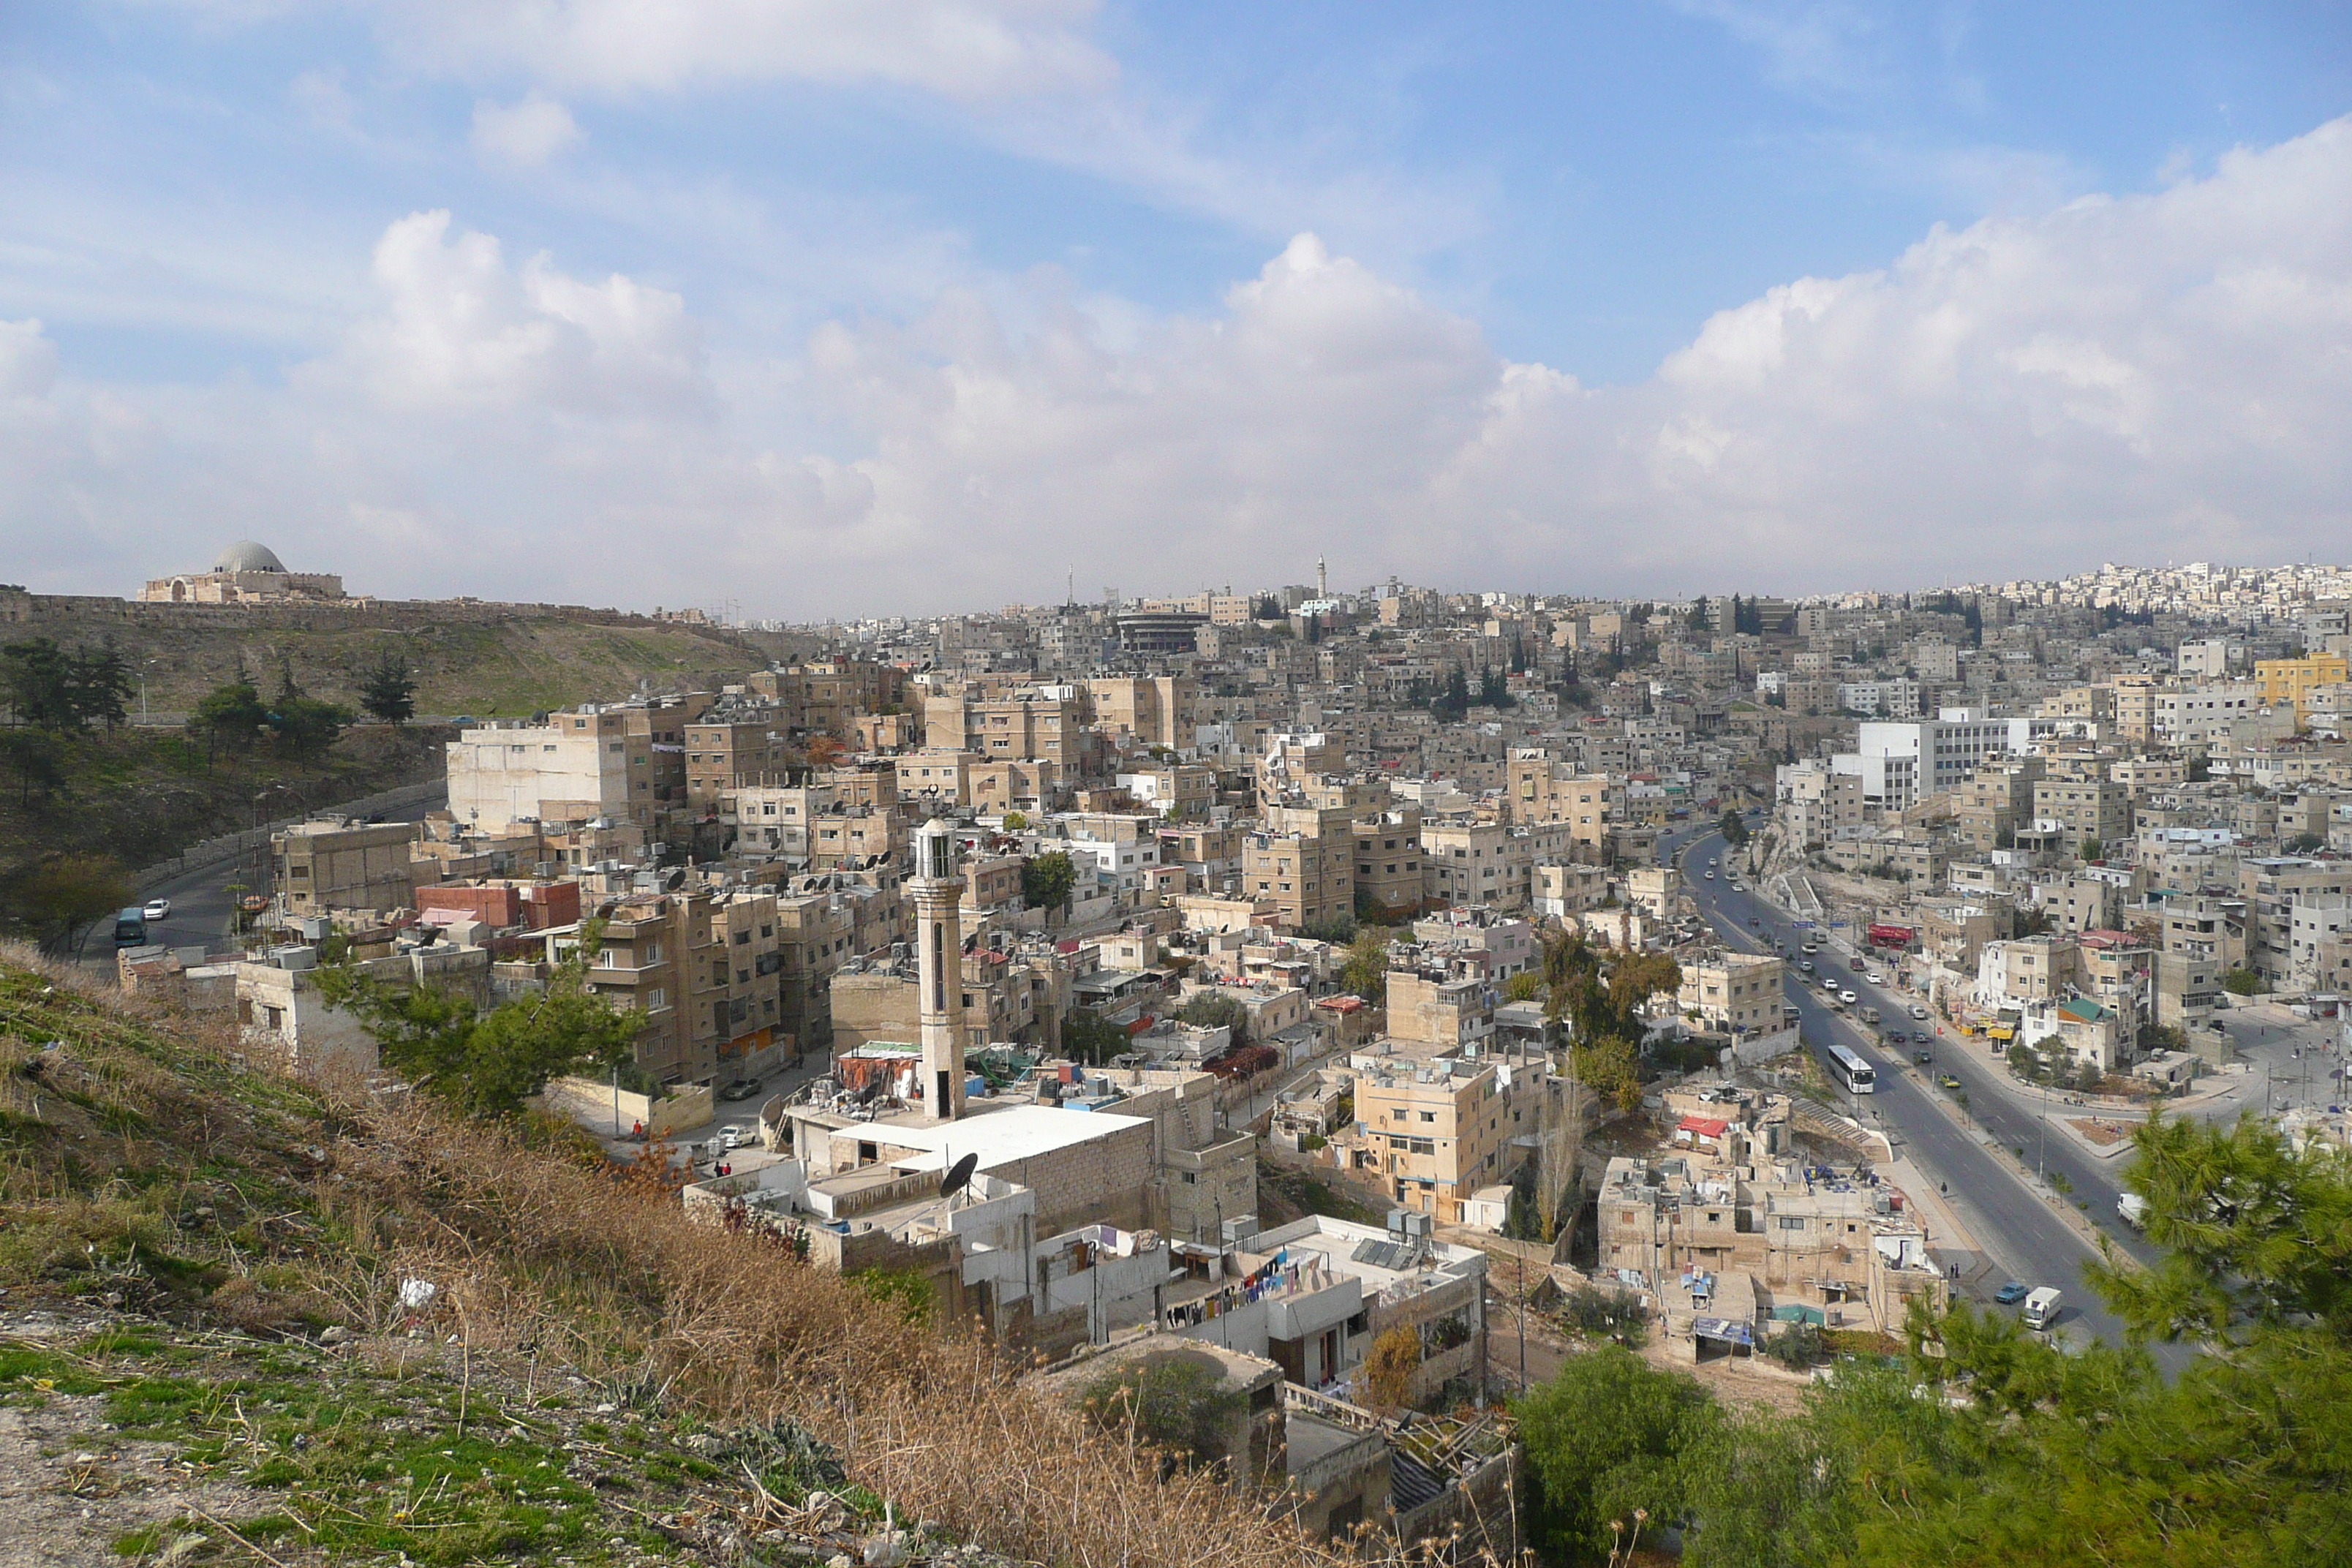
(202,905)
(2015,1224)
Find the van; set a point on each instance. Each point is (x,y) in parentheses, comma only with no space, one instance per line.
(2041,1308)
(130,927)
(2132,1209)
(1869,1016)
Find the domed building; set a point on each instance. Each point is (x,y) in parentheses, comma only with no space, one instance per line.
(247,572)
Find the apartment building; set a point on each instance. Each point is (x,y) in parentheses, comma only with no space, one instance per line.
(1539,788)
(2289,682)
(573,768)
(2272,888)
(1309,877)
(1039,724)
(2198,716)
(1182,791)
(1817,804)
(1437,1132)
(2087,810)
(936,781)
(1491,863)
(1739,992)
(1561,888)
(1388,860)
(1158,711)
(320,867)
(1442,1003)
(732,752)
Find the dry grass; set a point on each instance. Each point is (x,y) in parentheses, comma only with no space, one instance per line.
(249,1199)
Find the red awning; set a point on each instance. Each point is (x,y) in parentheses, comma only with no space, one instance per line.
(1703,1126)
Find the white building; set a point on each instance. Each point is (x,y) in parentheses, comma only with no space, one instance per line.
(1902,762)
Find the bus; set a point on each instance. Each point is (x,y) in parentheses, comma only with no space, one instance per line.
(1855,1075)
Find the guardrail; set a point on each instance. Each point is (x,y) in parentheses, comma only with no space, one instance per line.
(230,846)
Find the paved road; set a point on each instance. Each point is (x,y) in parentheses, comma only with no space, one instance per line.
(2015,1225)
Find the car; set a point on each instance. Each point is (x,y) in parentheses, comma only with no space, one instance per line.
(1847,997)
(1806,966)
(1812,947)
(739,1089)
(2010,1294)
(1710,876)
(157,909)
(1755,920)
(1925,1059)
(1918,1012)
(1875,978)
(733,1138)
(1946,1081)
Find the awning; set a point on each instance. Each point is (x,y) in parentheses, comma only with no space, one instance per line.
(1723,1329)
(1705,1127)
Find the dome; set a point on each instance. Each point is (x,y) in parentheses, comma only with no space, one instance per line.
(244,555)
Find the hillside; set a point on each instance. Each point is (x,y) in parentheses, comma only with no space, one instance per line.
(474,660)
(244,1320)
(141,796)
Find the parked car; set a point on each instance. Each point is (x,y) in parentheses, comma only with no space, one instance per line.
(733,1138)
(158,909)
(739,1089)
(2010,1294)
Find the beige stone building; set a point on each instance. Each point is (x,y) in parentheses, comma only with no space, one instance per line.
(320,867)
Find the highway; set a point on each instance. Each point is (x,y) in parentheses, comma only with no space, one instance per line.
(2015,1225)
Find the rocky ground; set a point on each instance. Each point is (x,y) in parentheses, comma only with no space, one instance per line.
(129,1440)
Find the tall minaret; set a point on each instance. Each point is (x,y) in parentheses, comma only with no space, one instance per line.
(1322,580)
(939,939)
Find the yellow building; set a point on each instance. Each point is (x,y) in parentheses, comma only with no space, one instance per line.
(2293,680)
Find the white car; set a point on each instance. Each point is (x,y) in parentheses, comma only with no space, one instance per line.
(733,1138)
(1710,876)
(1875,978)
(158,909)
(1847,997)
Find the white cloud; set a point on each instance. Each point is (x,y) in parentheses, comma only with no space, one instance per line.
(961,48)
(28,361)
(2160,375)
(523,135)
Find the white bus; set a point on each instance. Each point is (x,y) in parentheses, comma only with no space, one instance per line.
(1855,1075)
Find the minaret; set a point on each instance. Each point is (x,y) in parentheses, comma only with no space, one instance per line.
(1322,580)
(939,939)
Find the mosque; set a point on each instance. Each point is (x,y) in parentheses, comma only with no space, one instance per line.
(246,574)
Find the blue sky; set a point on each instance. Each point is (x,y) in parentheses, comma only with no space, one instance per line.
(845,290)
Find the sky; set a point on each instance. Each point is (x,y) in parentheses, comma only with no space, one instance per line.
(822,308)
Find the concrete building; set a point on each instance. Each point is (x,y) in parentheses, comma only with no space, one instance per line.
(245,574)
(1739,992)
(573,768)
(320,867)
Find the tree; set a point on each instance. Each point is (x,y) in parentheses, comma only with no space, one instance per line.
(98,686)
(1524,986)
(2243,983)
(388,690)
(36,677)
(489,1064)
(2306,843)
(1048,879)
(1087,1036)
(824,751)
(2258,1235)
(35,758)
(305,726)
(61,897)
(1390,1366)
(1174,1400)
(1366,971)
(1216,1010)
(1612,1435)
(230,716)
(1734,830)
(1601,993)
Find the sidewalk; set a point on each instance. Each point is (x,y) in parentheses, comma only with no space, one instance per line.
(1951,1242)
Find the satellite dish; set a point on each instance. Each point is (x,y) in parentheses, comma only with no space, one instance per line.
(676,880)
(957,1177)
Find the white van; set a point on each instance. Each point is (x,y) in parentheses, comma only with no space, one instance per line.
(2042,1307)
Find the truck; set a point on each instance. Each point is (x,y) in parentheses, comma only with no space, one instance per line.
(2132,1209)
(2042,1307)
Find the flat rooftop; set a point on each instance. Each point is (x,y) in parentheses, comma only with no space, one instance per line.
(999,1134)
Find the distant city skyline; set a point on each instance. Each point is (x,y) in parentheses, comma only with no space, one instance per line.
(894,306)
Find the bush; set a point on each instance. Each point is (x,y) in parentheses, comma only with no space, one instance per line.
(1610,1435)
(1798,1346)
(1176,1401)
(1592,1311)
(2243,983)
